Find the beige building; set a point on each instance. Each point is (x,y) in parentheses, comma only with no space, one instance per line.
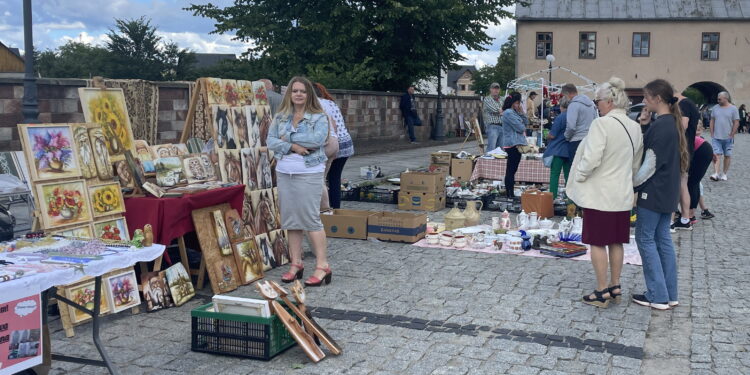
(462,79)
(704,44)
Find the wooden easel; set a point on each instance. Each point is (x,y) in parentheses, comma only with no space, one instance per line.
(477,131)
(188,129)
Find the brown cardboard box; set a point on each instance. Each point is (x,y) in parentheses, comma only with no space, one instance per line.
(440,168)
(461,169)
(400,227)
(533,200)
(441,158)
(414,200)
(346,224)
(423,182)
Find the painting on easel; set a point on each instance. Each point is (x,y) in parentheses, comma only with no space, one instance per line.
(50,150)
(107,108)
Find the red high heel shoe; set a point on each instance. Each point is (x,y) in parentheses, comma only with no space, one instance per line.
(291,276)
(314,281)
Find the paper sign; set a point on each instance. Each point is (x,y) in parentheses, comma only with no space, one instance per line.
(20,334)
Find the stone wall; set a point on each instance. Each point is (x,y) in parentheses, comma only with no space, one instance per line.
(371,117)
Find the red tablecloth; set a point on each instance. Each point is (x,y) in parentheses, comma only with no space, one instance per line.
(528,171)
(171,217)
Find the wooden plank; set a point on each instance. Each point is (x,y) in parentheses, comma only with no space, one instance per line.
(188,129)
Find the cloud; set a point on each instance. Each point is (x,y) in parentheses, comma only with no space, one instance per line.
(84,37)
(206,43)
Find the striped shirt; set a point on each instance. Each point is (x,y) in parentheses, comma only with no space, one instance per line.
(492,110)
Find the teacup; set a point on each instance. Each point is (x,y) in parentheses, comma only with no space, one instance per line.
(446,239)
(433,238)
(459,241)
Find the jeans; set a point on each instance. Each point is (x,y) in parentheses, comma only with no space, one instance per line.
(334,182)
(558,163)
(657,252)
(573,148)
(494,136)
(698,166)
(514,159)
(411,121)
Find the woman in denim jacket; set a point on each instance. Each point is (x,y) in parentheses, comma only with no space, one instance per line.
(514,134)
(297,137)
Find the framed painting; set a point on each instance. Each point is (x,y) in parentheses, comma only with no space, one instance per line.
(249,157)
(106,199)
(208,167)
(101,154)
(163,151)
(180,285)
(231,96)
(264,124)
(85,151)
(112,229)
(63,203)
(264,212)
(155,291)
(83,294)
(194,169)
(136,169)
(143,152)
(123,291)
(240,127)
(221,233)
(235,226)
(266,251)
(169,171)
(230,166)
(214,90)
(107,108)
(259,89)
(125,174)
(265,175)
(248,260)
(84,231)
(280,246)
(180,149)
(253,126)
(247,211)
(245,92)
(222,269)
(50,150)
(222,124)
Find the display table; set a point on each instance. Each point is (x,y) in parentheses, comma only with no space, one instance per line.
(528,171)
(171,218)
(40,277)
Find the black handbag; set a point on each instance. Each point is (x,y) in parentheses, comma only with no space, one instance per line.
(7,224)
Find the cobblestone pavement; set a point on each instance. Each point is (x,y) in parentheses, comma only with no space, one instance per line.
(401,309)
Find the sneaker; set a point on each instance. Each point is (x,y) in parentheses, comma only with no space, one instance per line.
(715,177)
(671,229)
(723,177)
(673,304)
(693,220)
(643,301)
(707,215)
(679,225)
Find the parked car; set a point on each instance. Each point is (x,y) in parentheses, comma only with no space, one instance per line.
(634,111)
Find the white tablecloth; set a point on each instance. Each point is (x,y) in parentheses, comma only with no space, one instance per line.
(48,275)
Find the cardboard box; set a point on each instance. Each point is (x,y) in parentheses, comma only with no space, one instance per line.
(346,224)
(414,200)
(533,200)
(423,182)
(461,169)
(441,158)
(399,227)
(439,168)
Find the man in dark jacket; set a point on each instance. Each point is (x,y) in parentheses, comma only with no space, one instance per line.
(409,111)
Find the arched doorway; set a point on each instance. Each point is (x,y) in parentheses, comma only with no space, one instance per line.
(709,90)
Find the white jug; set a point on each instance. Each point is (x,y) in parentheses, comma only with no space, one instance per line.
(522,220)
(577,225)
(533,220)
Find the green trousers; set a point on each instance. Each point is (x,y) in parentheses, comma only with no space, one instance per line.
(558,163)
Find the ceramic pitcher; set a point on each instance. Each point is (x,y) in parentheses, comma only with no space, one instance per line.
(471,213)
(533,220)
(505,222)
(454,219)
(522,220)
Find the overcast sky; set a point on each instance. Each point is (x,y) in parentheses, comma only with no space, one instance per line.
(57,21)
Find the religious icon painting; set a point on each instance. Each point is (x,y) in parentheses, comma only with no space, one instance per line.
(250,168)
(106,199)
(223,126)
(107,108)
(230,166)
(180,285)
(280,246)
(194,169)
(169,171)
(83,294)
(101,153)
(266,251)
(143,152)
(63,203)
(222,236)
(85,151)
(240,126)
(265,175)
(215,90)
(50,150)
(235,226)
(155,291)
(249,261)
(245,92)
(253,130)
(123,291)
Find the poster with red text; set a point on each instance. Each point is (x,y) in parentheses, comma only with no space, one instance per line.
(20,334)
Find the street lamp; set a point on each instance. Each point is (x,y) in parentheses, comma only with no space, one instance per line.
(439,133)
(30,105)
(550,59)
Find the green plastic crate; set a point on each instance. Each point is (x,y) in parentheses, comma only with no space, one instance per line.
(238,335)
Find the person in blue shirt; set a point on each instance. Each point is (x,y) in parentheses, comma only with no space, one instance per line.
(558,148)
(514,134)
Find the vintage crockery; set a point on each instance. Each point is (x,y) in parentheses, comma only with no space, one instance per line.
(505,222)
(546,224)
(522,220)
(533,220)
(514,244)
(577,225)
(471,213)
(433,238)
(459,241)
(446,239)
(455,218)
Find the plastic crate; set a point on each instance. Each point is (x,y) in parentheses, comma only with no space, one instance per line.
(350,195)
(377,195)
(238,335)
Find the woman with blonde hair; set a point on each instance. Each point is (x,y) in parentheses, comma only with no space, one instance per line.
(601,182)
(297,137)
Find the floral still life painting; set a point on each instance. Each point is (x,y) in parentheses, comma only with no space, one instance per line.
(108,109)
(83,294)
(106,199)
(63,203)
(123,291)
(50,150)
(115,230)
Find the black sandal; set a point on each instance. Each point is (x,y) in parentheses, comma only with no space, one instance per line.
(598,300)
(616,297)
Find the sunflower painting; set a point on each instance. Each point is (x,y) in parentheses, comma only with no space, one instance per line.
(106,199)
(215,90)
(108,108)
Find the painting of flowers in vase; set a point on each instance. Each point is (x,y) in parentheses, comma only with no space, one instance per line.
(50,150)
(63,203)
(83,294)
(123,291)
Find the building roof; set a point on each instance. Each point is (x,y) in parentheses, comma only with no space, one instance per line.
(10,60)
(207,60)
(634,10)
(454,75)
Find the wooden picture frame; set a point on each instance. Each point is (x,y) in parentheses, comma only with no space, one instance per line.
(83,294)
(83,231)
(235,226)
(230,166)
(50,151)
(64,203)
(107,107)
(222,269)
(101,153)
(106,199)
(112,229)
(122,290)
(180,285)
(249,260)
(85,151)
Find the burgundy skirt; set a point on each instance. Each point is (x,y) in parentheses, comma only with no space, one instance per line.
(602,228)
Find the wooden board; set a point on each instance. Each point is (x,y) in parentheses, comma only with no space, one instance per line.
(222,269)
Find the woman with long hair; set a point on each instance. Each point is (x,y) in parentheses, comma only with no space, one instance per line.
(297,137)
(658,186)
(514,134)
(601,182)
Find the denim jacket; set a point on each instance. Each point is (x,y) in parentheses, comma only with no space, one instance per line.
(514,128)
(311,133)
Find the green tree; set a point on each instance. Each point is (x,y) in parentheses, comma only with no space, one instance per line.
(72,60)
(381,45)
(695,95)
(502,72)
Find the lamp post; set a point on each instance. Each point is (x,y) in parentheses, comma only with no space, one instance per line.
(439,133)
(550,59)
(30,105)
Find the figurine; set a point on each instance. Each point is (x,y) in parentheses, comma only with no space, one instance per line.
(505,220)
(148,235)
(137,240)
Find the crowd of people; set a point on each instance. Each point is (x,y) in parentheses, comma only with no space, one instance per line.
(615,166)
